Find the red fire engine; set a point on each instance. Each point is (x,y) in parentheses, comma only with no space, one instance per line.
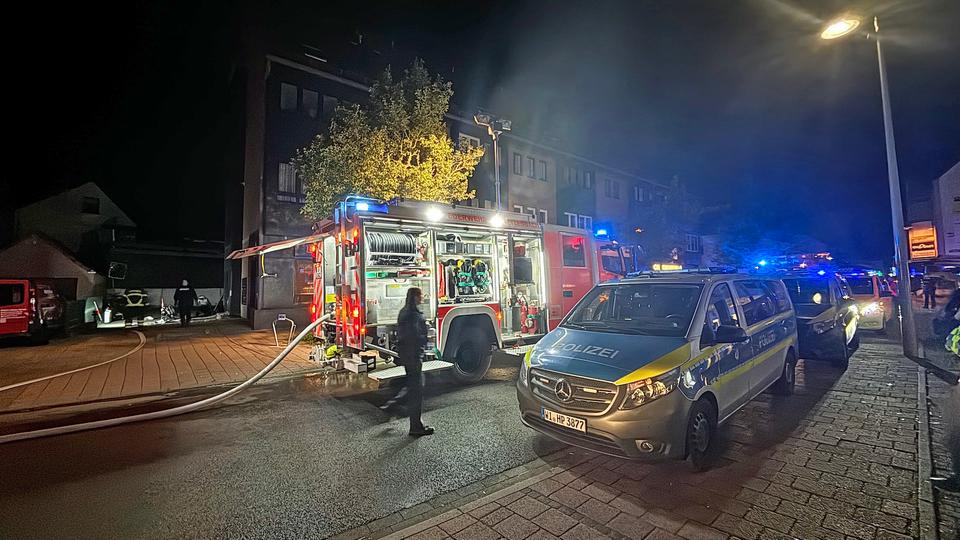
(490,280)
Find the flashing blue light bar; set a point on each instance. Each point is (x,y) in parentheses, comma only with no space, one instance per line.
(368,206)
(363,206)
(763,262)
(600,232)
(821,273)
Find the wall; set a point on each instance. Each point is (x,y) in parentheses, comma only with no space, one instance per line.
(33,257)
(946,194)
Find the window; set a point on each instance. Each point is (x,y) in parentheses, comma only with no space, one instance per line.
(575,176)
(518,208)
(311,103)
(606,187)
(90,205)
(543,217)
(587,179)
(329,107)
(287,178)
(616,189)
(693,243)
(303,280)
(778,293)
(861,285)
(571,219)
(809,291)
(11,294)
(637,193)
(585,222)
(531,167)
(542,171)
(755,301)
(517,164)
(721,310)
(657,309)
(468,141)
(573,251)
(288,97)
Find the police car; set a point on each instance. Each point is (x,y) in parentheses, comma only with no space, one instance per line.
(827,316)
(649,366)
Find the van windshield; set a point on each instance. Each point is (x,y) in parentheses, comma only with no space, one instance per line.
(655,309)
(809,290)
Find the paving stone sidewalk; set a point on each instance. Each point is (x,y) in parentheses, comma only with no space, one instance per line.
(172,359)
(835,461)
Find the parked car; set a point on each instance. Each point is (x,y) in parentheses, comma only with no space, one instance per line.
(874,299)
(649,366)
(827,317)
(29,308)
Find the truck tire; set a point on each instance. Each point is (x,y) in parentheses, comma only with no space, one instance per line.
(473,356)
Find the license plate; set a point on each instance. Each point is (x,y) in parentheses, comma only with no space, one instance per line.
(570,422)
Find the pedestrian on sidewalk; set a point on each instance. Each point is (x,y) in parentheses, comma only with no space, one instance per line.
(184,299)
(951,417)
(929,291)
(411,340)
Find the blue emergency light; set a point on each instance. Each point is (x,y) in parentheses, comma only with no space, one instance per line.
(600,232)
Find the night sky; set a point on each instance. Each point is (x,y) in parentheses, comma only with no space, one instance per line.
(741,100)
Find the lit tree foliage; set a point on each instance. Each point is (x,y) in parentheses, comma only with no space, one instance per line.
(398,146)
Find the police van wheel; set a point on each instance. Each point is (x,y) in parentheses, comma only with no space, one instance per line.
(788,378)
(701,431)
(473,358)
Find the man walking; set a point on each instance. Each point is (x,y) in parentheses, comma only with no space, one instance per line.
(184,299)
(929,292)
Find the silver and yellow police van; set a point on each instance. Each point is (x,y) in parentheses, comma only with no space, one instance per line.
(649,366)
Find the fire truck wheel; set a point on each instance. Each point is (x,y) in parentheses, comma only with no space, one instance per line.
(473,357)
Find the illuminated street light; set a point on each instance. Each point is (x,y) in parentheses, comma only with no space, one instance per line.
(495,126)
(840,27)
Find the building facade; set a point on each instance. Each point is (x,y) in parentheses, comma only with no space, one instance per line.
(946,213)
(287,99)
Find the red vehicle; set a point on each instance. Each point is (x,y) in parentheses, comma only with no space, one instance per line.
(29,308)
(490,280)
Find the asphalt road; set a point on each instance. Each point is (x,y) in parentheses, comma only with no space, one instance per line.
(295,459)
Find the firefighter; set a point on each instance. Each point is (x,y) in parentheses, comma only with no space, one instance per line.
(184,299)
(411,340)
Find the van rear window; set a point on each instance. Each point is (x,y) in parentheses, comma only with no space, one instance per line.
(11,294)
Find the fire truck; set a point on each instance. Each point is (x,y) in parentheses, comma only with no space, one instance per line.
(490,280)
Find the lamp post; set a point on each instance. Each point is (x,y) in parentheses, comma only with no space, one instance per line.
(837,28)
(495,126)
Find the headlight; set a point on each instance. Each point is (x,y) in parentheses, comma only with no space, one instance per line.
(872,308)
(822,326)
(525,367)
(643,392)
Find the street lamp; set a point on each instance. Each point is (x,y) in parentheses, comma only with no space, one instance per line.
(837,28)
(495,126)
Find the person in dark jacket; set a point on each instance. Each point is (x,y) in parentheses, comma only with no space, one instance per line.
(411,339)
(184,299)
(930,292)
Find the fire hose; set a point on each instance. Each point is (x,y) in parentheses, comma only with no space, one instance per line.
(155,415)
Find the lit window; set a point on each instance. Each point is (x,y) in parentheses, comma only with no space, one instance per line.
(288,97)
(287,179)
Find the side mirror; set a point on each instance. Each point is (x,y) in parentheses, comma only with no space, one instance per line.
(730,334)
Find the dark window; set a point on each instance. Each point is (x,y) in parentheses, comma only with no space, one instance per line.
(11,294)
(638,193)
(329,107)
(616,190)
(90,205)
(606,187)
(531,167)
(588,180)
(658,309)
(311,103)
(517,163)
(287,178)
(778,293)
(861,285)
(542,171)
(575,176)
(573,254)
(288,97)
(721,310)
(809,290)
(755,301)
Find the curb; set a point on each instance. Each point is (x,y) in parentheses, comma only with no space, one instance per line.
(925,499)
(412,520)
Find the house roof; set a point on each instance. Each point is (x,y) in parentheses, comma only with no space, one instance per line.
(87,189)
(39,238)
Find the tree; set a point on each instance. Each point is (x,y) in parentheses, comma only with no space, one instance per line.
(397,146)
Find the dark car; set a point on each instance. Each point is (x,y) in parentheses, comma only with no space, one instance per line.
(827,317)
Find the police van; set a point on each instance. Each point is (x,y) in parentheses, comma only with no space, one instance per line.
(649,366)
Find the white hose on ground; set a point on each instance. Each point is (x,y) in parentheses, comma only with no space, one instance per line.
(61,430)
